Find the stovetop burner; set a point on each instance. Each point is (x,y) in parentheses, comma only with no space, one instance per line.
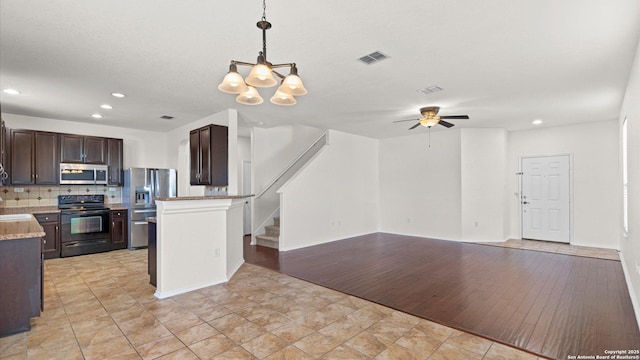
(81,202)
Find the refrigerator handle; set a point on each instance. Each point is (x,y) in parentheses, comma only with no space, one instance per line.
(152,184)
(157,186)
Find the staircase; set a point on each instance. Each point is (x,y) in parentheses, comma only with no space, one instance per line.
(272,236)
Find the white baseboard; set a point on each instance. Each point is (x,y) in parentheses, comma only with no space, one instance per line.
(632,293)
(167,294)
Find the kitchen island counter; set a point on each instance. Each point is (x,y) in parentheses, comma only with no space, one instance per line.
(198,242)
(208,197)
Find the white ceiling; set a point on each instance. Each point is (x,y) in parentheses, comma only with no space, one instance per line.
(502,62)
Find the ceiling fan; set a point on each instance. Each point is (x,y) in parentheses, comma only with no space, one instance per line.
(430,118)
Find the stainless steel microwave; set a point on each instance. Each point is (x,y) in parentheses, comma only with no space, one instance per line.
(83,174)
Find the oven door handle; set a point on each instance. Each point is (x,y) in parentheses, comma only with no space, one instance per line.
(144,211)
(86,212)
(140,222)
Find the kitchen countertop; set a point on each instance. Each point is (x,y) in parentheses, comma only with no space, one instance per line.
(48,209)
(20,229)
(210,197)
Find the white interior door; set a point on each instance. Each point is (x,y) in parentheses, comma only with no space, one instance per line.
(546,198)
(246,190)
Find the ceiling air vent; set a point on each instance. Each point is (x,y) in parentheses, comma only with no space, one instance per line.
(372,58)
(166,117)
(430,89)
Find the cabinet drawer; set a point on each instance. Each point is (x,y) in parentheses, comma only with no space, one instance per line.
(118,214)
(53,217)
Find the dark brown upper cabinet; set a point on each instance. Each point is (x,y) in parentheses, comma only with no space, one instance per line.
(209,151)
(34,157)
(114,160)
(83,149)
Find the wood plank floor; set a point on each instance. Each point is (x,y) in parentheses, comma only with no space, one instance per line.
(552,305)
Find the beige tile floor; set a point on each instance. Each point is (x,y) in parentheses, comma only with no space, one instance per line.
(101,307)
(558,248)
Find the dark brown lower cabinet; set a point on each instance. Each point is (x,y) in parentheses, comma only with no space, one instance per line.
(20,284)
(51,242)
(119,233)
(152,253)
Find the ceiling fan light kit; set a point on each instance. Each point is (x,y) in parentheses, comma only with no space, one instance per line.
(262,76)
(431,118)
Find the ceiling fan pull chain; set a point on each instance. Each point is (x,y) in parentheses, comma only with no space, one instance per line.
(429,137)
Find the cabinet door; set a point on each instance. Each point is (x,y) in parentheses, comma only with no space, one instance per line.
(119,233)
(3,152)
(71,148)
(194,156)
(46,158)
(22,157)
(205,156)
(51,242)
(219,155)
(114,160)
(95,150)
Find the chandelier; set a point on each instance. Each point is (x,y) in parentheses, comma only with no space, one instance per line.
(262,75)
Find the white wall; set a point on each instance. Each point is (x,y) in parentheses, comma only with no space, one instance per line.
(244,154)
(420,187)
(141,148)
(630,245)
(334,196)
(274,149)
(595,177)
(483,185)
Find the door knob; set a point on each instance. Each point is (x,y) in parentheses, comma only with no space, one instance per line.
(525,202)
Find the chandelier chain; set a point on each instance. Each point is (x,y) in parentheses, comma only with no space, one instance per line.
(264,10)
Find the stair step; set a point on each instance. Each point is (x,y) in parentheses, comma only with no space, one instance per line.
(268,241)
(272,230)
(276,221)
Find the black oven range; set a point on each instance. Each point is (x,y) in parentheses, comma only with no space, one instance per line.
(84,224)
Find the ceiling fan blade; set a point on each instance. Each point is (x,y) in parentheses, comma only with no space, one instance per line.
(455,117)
(445,124)
(414,126)
(405,120)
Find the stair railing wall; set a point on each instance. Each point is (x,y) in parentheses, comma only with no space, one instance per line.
(266,203)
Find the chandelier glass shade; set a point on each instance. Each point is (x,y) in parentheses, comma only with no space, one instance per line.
(233,82)
(250,97)
(263,75)
(280,98)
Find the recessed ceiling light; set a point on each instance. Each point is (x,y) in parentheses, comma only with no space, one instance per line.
(106,106)
(11,91)
(537,122)
(118,95)
(96,116)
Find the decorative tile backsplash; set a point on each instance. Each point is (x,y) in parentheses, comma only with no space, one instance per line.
(215,191)
(48,195)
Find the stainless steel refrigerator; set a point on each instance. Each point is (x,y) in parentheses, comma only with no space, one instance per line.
(142,186)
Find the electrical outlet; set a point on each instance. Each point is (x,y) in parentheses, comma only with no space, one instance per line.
(408,220)
(475,224)
(18,189)
(112,189)
(217,252)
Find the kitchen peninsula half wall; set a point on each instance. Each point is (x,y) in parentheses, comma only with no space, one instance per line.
(199,242)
